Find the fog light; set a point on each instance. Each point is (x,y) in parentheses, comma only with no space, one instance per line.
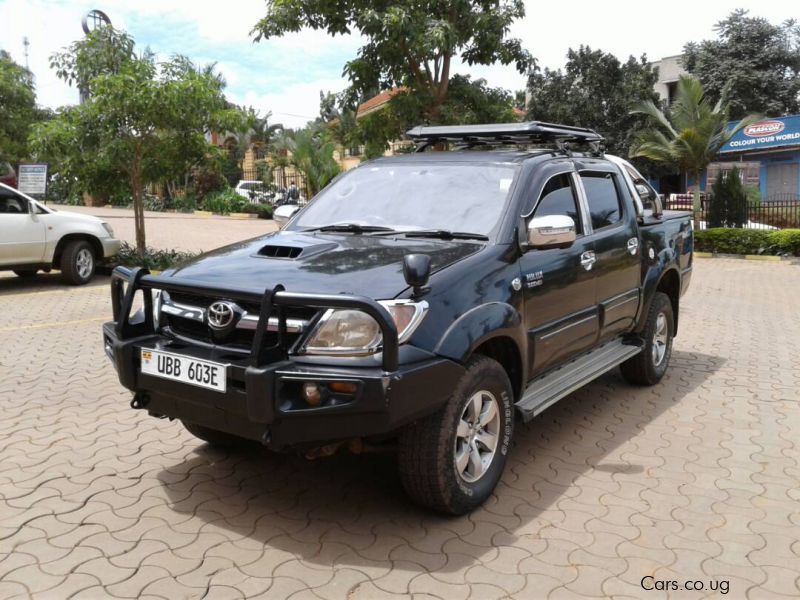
(312,394)
(343,387)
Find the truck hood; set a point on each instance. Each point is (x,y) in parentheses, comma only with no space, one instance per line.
(330,263)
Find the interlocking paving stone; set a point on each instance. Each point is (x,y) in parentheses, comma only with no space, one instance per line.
(696,478)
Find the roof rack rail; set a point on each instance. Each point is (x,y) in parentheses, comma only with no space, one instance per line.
(503,133)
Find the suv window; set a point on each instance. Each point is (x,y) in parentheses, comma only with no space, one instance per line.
(558,198)
(601,194)
(11,203)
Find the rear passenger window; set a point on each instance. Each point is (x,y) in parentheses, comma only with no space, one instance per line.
(558,198)
(603,199)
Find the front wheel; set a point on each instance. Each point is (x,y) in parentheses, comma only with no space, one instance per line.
(649,366)
(77,262)
(452,460)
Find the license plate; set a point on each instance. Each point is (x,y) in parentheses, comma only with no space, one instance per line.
(178,367)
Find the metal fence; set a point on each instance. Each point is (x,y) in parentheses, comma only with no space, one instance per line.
(779,211)
(280,180)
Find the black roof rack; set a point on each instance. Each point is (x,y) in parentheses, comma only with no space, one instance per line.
(503,133)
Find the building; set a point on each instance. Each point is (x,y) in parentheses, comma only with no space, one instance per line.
(670,71)
(768,155)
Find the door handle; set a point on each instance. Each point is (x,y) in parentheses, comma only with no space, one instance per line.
(633,245)
(588,259)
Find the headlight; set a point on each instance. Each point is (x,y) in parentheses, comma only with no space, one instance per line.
(108,229)
(354,333)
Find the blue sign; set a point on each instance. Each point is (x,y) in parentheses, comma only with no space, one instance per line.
(769,133)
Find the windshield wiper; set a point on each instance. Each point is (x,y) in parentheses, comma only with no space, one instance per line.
(444,234)
(351,228)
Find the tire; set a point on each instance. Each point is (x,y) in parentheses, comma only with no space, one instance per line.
(218,439)
(429,448)
(27,273)
(77,262)
(649,366)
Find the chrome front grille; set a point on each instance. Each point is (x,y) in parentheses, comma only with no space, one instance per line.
(186,316)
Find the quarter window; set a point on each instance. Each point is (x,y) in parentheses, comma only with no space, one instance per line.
(558,198)
(601,194)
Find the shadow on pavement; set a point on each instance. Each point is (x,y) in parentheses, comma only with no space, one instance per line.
(299,506)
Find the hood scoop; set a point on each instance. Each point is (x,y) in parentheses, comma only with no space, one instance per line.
(293,251)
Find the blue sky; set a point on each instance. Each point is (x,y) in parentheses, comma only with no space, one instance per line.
(286,75)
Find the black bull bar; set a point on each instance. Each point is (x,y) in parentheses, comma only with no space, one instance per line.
(125,282)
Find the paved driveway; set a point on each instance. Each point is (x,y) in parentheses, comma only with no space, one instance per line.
(697,479)
(182,231)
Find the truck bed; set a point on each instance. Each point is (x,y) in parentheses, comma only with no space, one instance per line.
(668,215)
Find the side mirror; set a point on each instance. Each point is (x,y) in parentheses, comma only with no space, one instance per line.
(283,213)
(552,231)
(417,271)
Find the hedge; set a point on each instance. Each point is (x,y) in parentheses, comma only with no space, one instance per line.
(780,242)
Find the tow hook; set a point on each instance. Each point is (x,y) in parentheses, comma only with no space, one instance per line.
(354,446)
(140,400)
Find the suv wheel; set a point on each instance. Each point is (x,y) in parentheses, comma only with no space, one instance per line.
(25,272)
(77,262)
(452,460)
(218,439)
(649,366)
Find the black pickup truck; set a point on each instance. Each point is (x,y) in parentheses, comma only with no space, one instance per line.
(419,301)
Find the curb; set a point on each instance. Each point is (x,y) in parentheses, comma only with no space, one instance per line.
(243,215)
(203,213)
(758,257)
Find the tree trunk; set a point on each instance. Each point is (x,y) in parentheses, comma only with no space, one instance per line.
(696,206)
(138,205)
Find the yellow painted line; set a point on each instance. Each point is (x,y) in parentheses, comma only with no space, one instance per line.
(56,324)
(703,255)
(762,257)
(203,213)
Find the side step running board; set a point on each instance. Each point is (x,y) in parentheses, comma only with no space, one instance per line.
(552,387)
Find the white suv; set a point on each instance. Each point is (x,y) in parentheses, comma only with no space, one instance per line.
(34,237)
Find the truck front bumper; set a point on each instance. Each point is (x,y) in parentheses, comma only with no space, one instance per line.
(263,399)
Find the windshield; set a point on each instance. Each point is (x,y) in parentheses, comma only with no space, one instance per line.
(453,197)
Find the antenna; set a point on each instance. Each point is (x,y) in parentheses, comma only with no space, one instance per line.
(26,44)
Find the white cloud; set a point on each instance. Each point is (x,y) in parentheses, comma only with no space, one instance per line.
(285,75)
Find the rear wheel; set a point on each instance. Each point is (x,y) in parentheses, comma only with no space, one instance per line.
(25,272)
(452,460)
(218,439)
(649,366)
(77,262)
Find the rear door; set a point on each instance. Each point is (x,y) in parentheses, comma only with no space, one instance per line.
(615,238)
(22,234)
(560,309)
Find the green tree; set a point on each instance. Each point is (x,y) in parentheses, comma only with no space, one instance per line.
(17,109)
(312,155)
(409,43)
(753,65)
(728,205)
(142,121)
(595,90)
(690,133)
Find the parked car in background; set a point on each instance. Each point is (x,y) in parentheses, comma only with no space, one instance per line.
(8,175)
(34,237)
(254,190)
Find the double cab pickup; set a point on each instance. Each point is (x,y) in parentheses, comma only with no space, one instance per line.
(422,302)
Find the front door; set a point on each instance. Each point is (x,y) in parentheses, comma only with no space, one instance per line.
(560,310)
(616,245)
(22,234)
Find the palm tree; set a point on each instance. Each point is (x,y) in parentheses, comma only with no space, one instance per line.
(313,157)
(689,134)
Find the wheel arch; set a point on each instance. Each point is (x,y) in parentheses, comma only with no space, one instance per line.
(668,282)
(94,242)
(494,330)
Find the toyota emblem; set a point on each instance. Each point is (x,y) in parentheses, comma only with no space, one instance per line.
(221,314)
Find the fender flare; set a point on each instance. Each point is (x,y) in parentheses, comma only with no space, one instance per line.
(653,278)
(480,324)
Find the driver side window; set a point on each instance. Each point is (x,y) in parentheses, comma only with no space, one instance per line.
(11,203)
(558,198)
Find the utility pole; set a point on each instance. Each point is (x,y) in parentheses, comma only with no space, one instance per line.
(26,44)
